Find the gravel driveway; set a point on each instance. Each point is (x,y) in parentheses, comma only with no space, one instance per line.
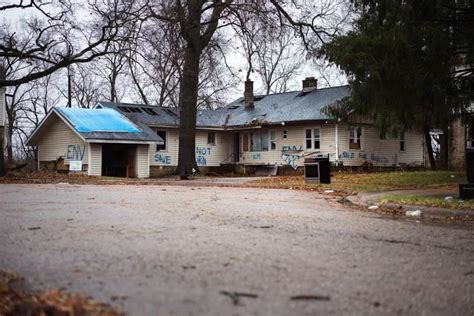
(176,250)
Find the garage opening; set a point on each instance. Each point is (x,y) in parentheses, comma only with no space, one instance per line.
(119,160)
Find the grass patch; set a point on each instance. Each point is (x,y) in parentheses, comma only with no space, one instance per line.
(430,201)
(371,181)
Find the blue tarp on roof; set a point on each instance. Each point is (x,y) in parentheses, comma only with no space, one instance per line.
(98,120)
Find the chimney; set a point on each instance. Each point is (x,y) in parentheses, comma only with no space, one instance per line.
(248,94)
(310,84)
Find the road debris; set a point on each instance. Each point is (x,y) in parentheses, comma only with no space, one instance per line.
(306,297)
(236,296)
(416,213)
(373,207)
(34,228)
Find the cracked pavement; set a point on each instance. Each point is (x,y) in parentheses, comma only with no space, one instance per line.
(175,250)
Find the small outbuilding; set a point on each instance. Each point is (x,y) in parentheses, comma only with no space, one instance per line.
(101,142)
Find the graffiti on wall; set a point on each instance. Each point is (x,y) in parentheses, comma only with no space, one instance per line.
(290,154)
(364,156)
(202,153)
(256,156)
(75,153)
(163,159)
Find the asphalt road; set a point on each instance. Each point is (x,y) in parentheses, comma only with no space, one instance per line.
(174,250)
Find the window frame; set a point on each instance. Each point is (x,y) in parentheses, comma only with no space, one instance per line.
(403,142)
(213,140)
(272,140)
(312,138)
(357,138)
(284,134)
(165,139)
(262,136)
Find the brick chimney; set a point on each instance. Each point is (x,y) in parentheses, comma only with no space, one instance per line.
(248,94)
(310,84)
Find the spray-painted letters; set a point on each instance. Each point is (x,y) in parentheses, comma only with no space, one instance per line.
(291,158)
(75,152)
(163,159)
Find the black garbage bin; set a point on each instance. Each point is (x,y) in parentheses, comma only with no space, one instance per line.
(466,190)
(317,170)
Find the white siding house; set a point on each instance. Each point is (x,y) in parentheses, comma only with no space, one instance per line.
(272,130)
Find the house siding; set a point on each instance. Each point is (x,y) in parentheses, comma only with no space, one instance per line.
(380,152)
(56,141)
(207,155)
(143,161)
(95,161)
(169,156)
(374,150)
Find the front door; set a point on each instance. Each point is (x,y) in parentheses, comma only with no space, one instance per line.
(131,162)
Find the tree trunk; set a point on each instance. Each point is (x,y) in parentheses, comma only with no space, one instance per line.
(2,156)
(10,142)
(187,111)
(429,148)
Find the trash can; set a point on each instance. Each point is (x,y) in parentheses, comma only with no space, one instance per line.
(466,190)
(317,170)
(470,165)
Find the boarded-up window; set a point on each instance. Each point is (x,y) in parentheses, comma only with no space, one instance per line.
(245,141)
(355,134)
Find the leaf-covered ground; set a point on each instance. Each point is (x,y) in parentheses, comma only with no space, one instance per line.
(380,181)
(51,303)
(434,201)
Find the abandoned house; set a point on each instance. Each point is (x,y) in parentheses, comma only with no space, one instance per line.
(256,131)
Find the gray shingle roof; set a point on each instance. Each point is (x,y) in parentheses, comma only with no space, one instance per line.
(271,109)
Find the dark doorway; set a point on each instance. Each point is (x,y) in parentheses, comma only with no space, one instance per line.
(236,149)
(119,160)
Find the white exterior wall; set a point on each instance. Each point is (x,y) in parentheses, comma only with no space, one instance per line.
(143,161)
(169,156)
(208,155)
(291,151)
(380,152)
(95,160)
(55,142)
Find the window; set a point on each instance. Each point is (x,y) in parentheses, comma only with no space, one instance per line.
(273,143)
(211,138)
(402,141)
(259,141)
(284,134)
(355,134)
(163,135)
(313,138)
(470,133)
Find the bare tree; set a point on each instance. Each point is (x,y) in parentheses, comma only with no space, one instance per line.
(56,36)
